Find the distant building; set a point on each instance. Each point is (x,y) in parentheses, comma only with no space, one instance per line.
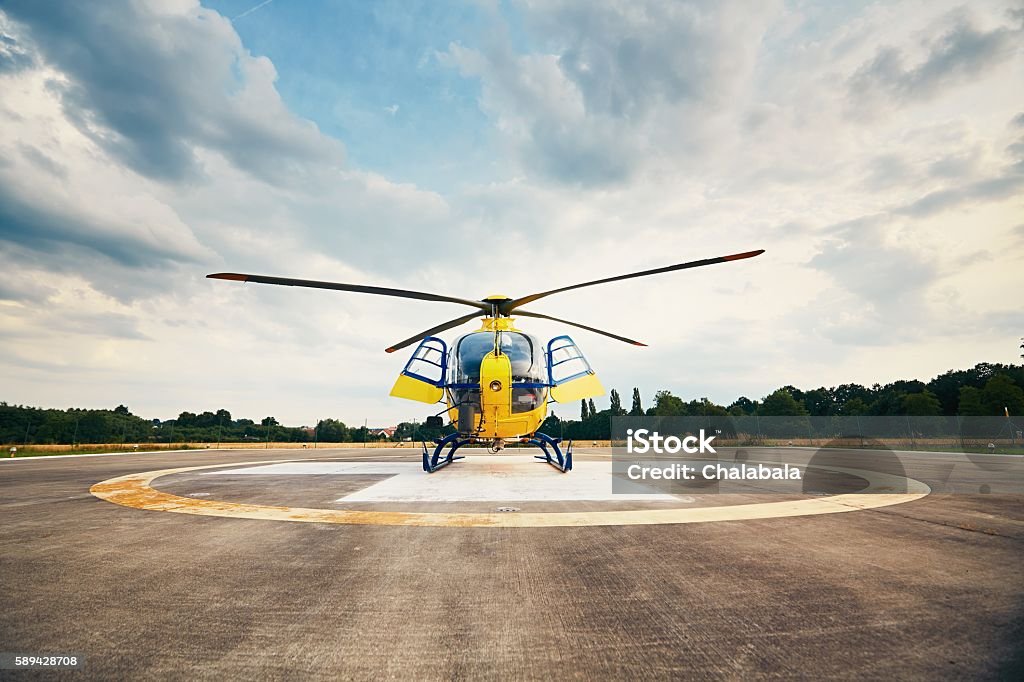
(383,432)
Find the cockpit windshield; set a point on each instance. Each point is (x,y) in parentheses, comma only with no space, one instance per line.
(525,354)
(523,351)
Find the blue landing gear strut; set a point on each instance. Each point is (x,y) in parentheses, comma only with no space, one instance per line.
(435,462)
(561,462)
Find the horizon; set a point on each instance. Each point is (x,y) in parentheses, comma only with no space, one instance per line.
(553,410)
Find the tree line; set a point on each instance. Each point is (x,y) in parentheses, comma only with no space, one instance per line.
(33,425)
(985,389)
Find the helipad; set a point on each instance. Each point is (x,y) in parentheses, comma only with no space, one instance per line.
(482,479)
(340,592)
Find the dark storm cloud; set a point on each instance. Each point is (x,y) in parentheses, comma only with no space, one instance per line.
(150,86)
(960,54)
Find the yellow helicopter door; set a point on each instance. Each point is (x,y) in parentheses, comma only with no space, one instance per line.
(495,390)
(569,373)
(422,379)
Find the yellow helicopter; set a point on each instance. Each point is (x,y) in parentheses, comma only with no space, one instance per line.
(498,380)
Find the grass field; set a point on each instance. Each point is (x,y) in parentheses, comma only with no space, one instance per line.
(45,450)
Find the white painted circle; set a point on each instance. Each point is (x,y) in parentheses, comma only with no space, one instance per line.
(135,490)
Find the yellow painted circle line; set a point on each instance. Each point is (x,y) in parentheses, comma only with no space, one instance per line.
(134,490)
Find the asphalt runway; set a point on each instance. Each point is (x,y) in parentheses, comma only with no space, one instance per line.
(932,587)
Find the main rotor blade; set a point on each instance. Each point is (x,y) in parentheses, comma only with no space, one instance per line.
(512,305)
(444,326)
(581,326)
(359,288)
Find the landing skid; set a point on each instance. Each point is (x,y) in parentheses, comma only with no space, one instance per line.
(562,462)
(435,462)
(553,454)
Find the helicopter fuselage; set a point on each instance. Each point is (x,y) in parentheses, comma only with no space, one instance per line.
(497,381)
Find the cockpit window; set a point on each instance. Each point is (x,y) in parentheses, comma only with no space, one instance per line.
(525,355)
(470,351)
(523,352)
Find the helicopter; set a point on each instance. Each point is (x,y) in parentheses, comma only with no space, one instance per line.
(496,381)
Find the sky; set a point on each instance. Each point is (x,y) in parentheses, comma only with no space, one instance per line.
(874,150)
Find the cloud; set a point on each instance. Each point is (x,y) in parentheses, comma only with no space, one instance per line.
(14,56)
(901,275)
(149,82)
(626,59)
(897,271)
(991,189)
(873,260)
(16,289)
(611,84)
(101,325)
(956,166)
(60,200)
(60,224)
(964,190)
(41,160)
(887,169)
(961,53)
(71,200)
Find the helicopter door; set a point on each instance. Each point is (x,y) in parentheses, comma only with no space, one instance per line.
(569,373)
(422,379)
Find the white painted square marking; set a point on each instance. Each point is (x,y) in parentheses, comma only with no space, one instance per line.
(498,478)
